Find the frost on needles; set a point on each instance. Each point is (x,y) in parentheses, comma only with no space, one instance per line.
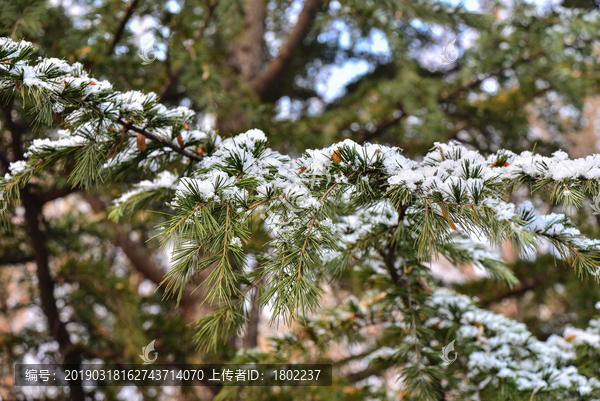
(361,209)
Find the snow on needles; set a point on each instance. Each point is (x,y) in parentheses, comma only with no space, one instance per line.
(164,179)
(104,107)
(448,170)
(242,169)
(507,350)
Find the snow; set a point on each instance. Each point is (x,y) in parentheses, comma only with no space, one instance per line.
(30,77)
(164,180)
(17,167)
(504,210)
(52,76)
(66,140)
(449,170)
(297,187)
(449,174)
(504,350)
(510,351)
(206,188)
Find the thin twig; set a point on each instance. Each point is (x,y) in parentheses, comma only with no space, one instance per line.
(310,227)
(126,17)
(14,31)
(150,135)
(414,324)
(173,75)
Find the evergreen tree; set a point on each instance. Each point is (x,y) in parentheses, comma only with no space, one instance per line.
(356,213)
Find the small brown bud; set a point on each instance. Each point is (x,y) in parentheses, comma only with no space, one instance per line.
(336,156)
(141,142)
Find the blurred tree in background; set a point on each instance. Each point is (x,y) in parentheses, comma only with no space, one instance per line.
(308,73)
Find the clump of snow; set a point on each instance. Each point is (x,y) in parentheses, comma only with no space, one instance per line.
(504,210)
(164,179)
(17,167)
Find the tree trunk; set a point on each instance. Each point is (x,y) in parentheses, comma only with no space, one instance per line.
(69,354)
(246,58)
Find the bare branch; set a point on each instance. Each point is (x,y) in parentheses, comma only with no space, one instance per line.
(126,16)
(171,78)
(277,66)
(15,260)
(520,289)
(444,97)
(209,12)
(173,75)
(383,125)
(57,193)
(16,129)
(4,160)
(478,80)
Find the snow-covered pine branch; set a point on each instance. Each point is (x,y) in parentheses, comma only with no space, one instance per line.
(348,206)
(107,131)
(492,357)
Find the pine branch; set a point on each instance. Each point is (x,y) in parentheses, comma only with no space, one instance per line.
(138,256)
(154,137)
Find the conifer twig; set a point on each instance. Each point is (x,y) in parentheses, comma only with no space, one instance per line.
(169,144)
